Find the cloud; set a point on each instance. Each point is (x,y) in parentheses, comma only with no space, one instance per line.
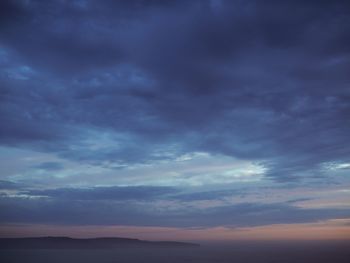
(7,185)
(49,166)
(100,212)
(206,195)
(105,193)
(249,80)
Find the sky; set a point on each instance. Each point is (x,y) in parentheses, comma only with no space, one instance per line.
(175,120)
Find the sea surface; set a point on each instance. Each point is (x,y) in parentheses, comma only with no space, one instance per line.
(240,252)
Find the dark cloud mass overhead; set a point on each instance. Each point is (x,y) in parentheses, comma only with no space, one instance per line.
(113,87)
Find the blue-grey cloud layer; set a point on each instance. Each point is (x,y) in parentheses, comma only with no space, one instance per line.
(104,193)
(142,205)
(255,80)
(100,212)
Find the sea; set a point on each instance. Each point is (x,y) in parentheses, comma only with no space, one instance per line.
(237,252)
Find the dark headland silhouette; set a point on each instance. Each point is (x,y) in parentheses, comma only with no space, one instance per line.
(84,243)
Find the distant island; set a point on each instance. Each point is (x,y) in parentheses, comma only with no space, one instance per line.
(85,243)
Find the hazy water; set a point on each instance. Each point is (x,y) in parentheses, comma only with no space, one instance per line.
(233,253)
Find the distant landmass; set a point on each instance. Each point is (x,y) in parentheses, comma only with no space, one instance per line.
(84,243)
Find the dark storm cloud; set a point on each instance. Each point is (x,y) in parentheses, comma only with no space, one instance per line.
(258,80)
(73,212)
